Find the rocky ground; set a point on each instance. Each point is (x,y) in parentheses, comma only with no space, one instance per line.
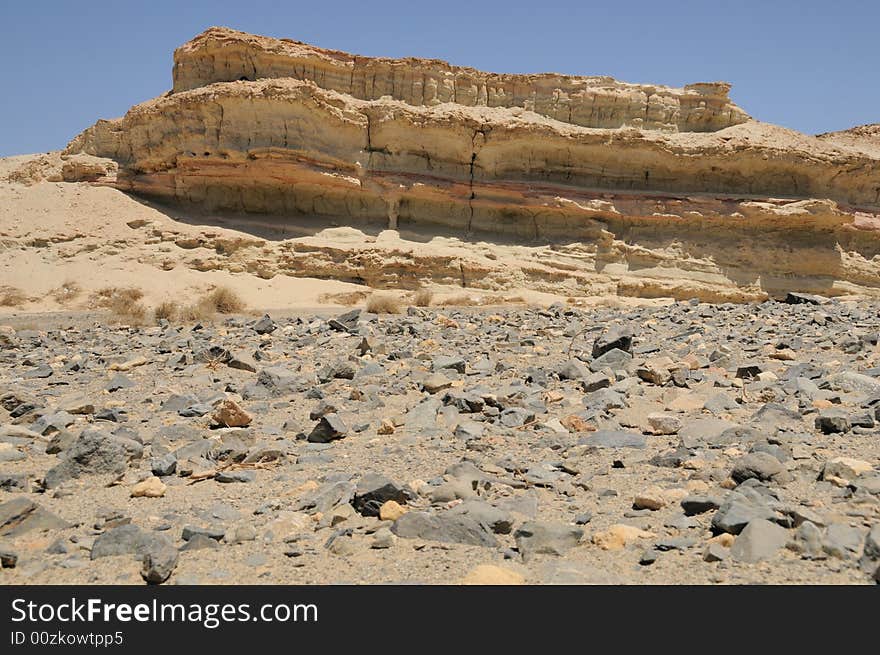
(691,443)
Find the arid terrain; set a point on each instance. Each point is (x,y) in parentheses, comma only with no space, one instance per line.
(311,317)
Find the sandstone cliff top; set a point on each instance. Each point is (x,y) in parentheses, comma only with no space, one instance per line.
(223,55)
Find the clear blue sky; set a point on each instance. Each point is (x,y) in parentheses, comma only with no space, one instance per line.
(807,64)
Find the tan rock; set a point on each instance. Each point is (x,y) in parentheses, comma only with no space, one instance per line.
(618,536)
(386,427)
(391,511)
(231,415)
(152,487)
(724,539)
(652,498)
(574,423)
(846,468)
(489,574)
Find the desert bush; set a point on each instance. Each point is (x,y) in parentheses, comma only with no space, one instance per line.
(224,301)
(475,300)
(382,303)
(68,290)
(11,296)
(122,302)
(348,298)
(167,310)
(422,298)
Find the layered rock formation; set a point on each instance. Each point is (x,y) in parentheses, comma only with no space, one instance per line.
(662,191)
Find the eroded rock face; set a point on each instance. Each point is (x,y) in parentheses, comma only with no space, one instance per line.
(678,184)
(223,55)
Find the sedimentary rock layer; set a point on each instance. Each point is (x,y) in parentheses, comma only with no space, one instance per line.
(222,55)
(769,209)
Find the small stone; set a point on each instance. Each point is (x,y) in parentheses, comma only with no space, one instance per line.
(152,487)
(664,423)
(540,537)
(391,511)
(158,562)
(846,468)
(715,553)
(229,414)
(235,476)
(383,538)
(619,535)
(329,428)
(831,421)
(758,465)
(759,540)
(651,499)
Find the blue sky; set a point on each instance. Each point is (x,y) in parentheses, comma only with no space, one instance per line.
(810,65)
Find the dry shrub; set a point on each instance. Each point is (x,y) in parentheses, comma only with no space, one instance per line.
(465,300)
(221,300)
(380,303)
(202,311)
(347,299)
(422,298)
(11,296)
(167,310)
(224,301)
(68,290)
(123,302)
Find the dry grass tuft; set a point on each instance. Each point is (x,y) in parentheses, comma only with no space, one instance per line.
(11,296)
(380,303)
(123,302)
(221,300)
(224,300)
(68,290)
(347,299)
(168,310)
(422,298)
(465,300)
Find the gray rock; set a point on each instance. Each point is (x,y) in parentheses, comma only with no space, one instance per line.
(759,540)
(94,452)
(737,511)
(211,532)
(842,541)
(449,362)
(705,432)
(715,553)
(447,528)
(615,338)
(492,518)
(164,465)
(693,505)
(20,515)
(329,428)
(236,476)
(326,497)
(761,466)
(199,542)
(158,561)
(572,370)
(545,538)
(128,540)
(808,541)
(373,490)
(119,381)
(871,550)
(831,421)
(615,359)
(265,325)
(614,439)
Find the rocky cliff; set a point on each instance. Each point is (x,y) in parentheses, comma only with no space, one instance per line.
(663,191)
